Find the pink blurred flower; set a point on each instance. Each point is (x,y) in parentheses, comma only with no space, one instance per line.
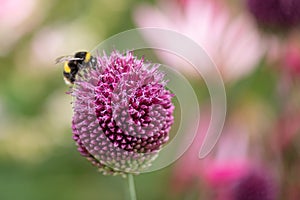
(228,161)
(291,56)
(233,43)
(236,157)
(14,12)
(16,18)
(283,14)
(285,54)
(257,184)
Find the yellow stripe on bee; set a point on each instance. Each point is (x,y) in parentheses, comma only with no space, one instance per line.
(67,69)
(87,57)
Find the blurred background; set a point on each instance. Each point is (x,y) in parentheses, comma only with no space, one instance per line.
(256,46)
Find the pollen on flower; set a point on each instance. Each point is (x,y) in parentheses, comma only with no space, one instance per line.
(122,113)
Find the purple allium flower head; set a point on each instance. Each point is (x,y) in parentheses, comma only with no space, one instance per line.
(122,113)
(276,13)
(255,185)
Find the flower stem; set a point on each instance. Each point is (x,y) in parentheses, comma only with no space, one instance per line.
(132,192)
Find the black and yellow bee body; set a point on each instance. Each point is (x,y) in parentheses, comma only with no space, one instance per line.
(72,65)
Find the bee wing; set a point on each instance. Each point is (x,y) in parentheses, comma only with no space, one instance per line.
(65,58)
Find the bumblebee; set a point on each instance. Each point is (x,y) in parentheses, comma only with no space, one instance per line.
(72,64)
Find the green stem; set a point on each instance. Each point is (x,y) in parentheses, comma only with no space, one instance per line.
(131,187)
